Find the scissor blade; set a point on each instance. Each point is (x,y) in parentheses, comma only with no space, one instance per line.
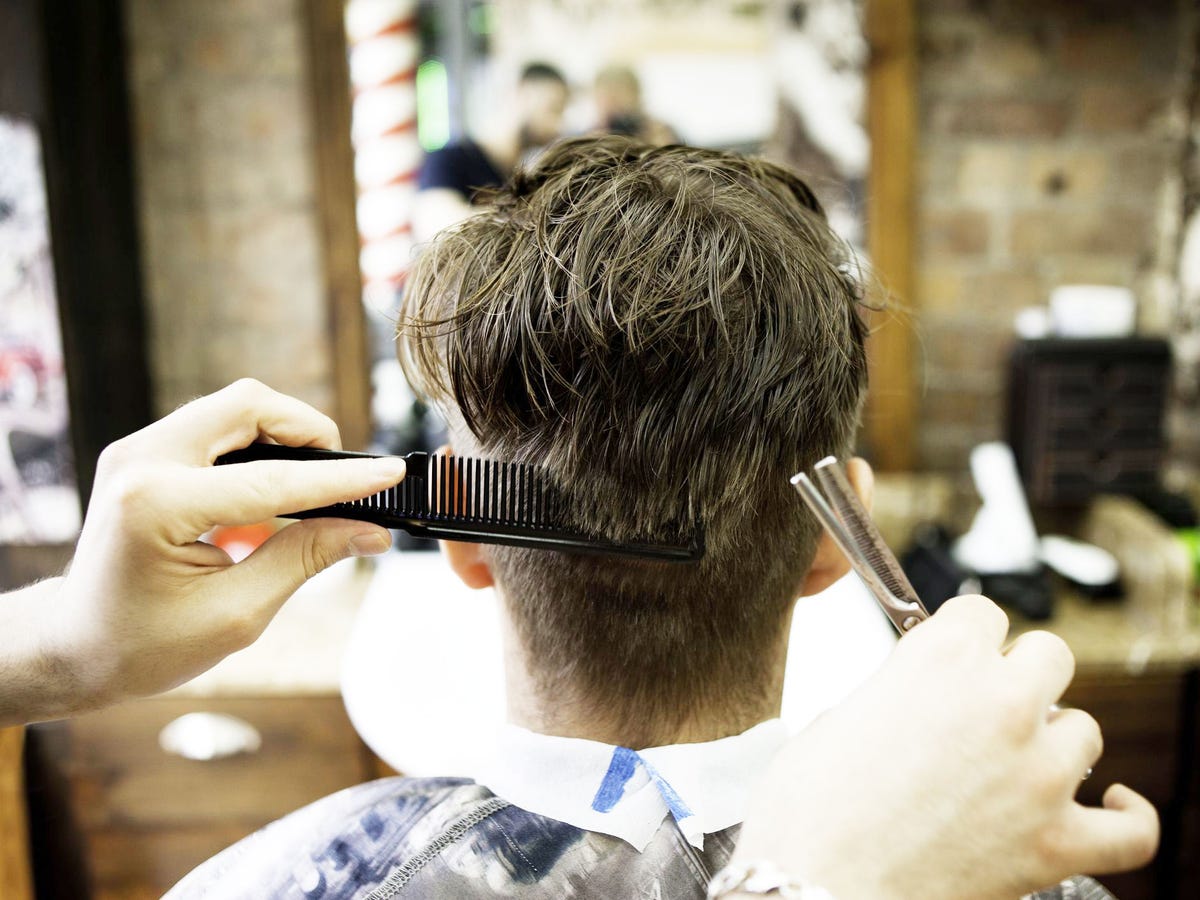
(850,511)
(903,614)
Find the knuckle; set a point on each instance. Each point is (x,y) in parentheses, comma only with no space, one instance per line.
(248,393)
(112,458)
(132,488)
(1093,735)
(1055,647)
(965,604)
(265,488)
(315,556)
(1053,651)
(242,629)
(248,386)
(950,638)
(1017,713)
(973,611)
(335,433)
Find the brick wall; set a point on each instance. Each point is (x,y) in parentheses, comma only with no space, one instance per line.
(223,143)
(1041,153)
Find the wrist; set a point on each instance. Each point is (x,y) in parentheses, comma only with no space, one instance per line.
(80,649)
(79,656)
(42,675)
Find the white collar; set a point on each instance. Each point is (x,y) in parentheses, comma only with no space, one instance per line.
(612,790)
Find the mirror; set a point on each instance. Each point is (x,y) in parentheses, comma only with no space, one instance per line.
(39,503)
(451,100)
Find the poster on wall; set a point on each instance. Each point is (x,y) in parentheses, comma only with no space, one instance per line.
(39,501)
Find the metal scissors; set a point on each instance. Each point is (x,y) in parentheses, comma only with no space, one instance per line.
(843,516)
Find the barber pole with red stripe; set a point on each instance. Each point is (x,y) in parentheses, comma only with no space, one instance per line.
(384,53)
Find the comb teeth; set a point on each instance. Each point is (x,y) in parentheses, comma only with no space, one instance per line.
(441,488)
(468,499)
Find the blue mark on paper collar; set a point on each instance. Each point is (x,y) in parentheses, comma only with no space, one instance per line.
(621,768)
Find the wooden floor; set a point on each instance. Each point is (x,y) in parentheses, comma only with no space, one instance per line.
(147,818)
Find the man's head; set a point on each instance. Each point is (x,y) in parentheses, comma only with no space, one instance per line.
(617,93)
(671,333)
(541,98)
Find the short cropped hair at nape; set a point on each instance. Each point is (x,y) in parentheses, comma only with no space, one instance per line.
(672,332)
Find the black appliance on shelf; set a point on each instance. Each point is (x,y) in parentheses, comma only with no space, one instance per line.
(1085,416)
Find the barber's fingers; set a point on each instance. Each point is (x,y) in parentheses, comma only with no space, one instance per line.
(1123,835)
(1042,662)
(245,493)
(273,572)
(231,418)
(970,617)
(1079,741)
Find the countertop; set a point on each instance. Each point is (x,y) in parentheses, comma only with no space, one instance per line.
(1109,636)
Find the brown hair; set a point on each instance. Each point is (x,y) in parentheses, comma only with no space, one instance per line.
(672,332)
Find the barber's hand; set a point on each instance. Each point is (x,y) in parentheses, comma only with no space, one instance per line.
(145,606)
(946,775)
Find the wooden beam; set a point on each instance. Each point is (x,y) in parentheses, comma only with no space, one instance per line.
(891,117)
(93,226)
(16,872)
(336,193)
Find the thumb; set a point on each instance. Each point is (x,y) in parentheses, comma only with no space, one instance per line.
(297,552)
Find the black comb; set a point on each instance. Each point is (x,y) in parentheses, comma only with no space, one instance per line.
(460,498)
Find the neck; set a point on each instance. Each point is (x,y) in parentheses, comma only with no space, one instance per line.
(565,714)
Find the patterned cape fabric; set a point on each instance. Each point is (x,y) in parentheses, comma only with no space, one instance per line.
(451,839)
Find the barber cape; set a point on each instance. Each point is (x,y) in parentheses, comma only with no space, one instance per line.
(548,818)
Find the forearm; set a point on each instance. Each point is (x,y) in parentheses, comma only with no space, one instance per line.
(39,677)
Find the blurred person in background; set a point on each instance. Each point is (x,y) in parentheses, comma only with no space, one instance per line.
(617,93)
(452,176)
(447,185)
